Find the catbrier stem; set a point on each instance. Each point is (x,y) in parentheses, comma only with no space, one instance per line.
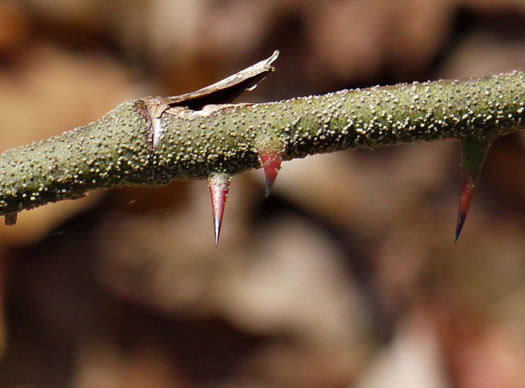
(117,150)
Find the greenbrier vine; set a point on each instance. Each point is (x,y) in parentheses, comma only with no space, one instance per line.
(201,135)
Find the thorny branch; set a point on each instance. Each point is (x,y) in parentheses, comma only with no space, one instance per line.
(152,141)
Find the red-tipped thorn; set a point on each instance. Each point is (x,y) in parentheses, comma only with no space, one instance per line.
(271,162)
(219,185)
(467,192)
(473,155)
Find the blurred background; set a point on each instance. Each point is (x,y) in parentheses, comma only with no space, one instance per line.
(346,276)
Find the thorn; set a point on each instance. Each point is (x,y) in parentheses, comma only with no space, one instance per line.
(219,185)
(467,192)
(473,155)
(10,219)
(271,162)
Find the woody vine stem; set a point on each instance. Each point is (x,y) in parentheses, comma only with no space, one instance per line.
(201,135)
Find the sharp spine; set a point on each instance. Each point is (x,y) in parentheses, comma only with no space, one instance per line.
(473,155)
(465,198)
(271,163)
(219,186)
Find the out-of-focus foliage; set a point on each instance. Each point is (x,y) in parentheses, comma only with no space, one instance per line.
(345,276)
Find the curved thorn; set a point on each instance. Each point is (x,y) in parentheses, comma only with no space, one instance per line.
(271,162)
(219,185)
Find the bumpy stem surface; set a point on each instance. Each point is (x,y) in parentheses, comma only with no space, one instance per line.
(118,149)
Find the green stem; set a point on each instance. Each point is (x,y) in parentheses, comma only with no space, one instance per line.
(117,150)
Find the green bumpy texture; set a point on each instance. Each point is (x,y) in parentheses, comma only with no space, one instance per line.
(117,150)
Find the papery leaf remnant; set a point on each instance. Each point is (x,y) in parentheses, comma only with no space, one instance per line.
(222,92)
